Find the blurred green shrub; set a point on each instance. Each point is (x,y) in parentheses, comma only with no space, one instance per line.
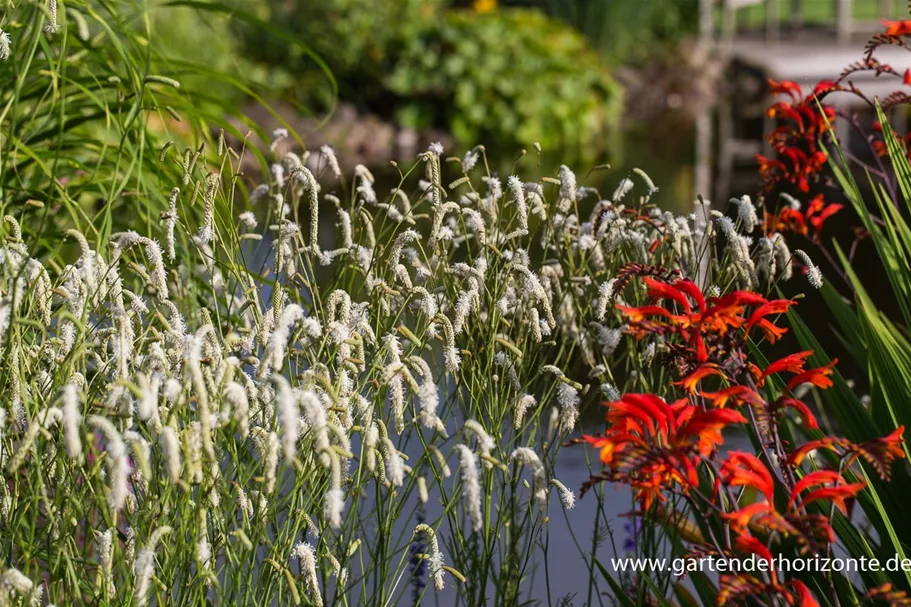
(513,75)
(359,40)
(625,31)
(508,77)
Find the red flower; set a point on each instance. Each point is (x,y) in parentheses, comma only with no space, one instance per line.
(792,363)
(837,493)
(652,445)
(745,470)
(897,28)
(739,394)
(818,377)
(808,418)
(692,380)
(879,452)
(789,219)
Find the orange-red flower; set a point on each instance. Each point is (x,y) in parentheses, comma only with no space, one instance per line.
(691,381)
(802,122)
(897,28)
(704,325)
(802,409)
(818,377)
(792,363)
(745,470)
(653,445)
(808,223)
(837,493)
(879,452)
(738,394)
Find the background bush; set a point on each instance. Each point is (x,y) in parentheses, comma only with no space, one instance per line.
(508,76)
(504,77)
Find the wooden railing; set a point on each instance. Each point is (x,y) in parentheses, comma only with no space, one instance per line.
(844,24)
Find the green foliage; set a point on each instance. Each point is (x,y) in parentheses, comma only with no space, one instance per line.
(512,76)
(625,30)
(184,33)
(87,107)
(508,77)
(882,346)
(358,39)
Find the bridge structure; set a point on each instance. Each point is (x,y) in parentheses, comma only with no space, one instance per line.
(805,41)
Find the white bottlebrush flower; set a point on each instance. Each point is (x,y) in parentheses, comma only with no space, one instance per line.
(270,462)
(278,135)
(471,486)
(486,444)
(766,263)
(528,458)
(792,202)
(428,395)
(568,398)
(106,556)
(170,449)
(652,189)
(159,274)
(306,559)
(648,354)
(517,192)
(288,416)
(470,160)
(746,213)
(147,404)
(782,255)
(395,466)
(278,340)
(739,250)
(371,440)
(72,420)
(608,339)
(610,392)
(144,567)
(170,218)
(248,219)
(814,274)
(305,177)
(622,190)
(118,461)
(16,580)
(524,402)
(6,314)
(435,564)
(331,159)
(5,46)
(423,496)
(315,414)
(236,397)
(567,189)
(334,501)
(566,496)
(259,192)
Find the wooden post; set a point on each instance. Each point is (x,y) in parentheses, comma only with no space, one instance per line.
(702,173)
(885,8)
(796,14)
(725,161)
(702,227)
(772,21)
(728,28)
(843,20)
(706,23)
